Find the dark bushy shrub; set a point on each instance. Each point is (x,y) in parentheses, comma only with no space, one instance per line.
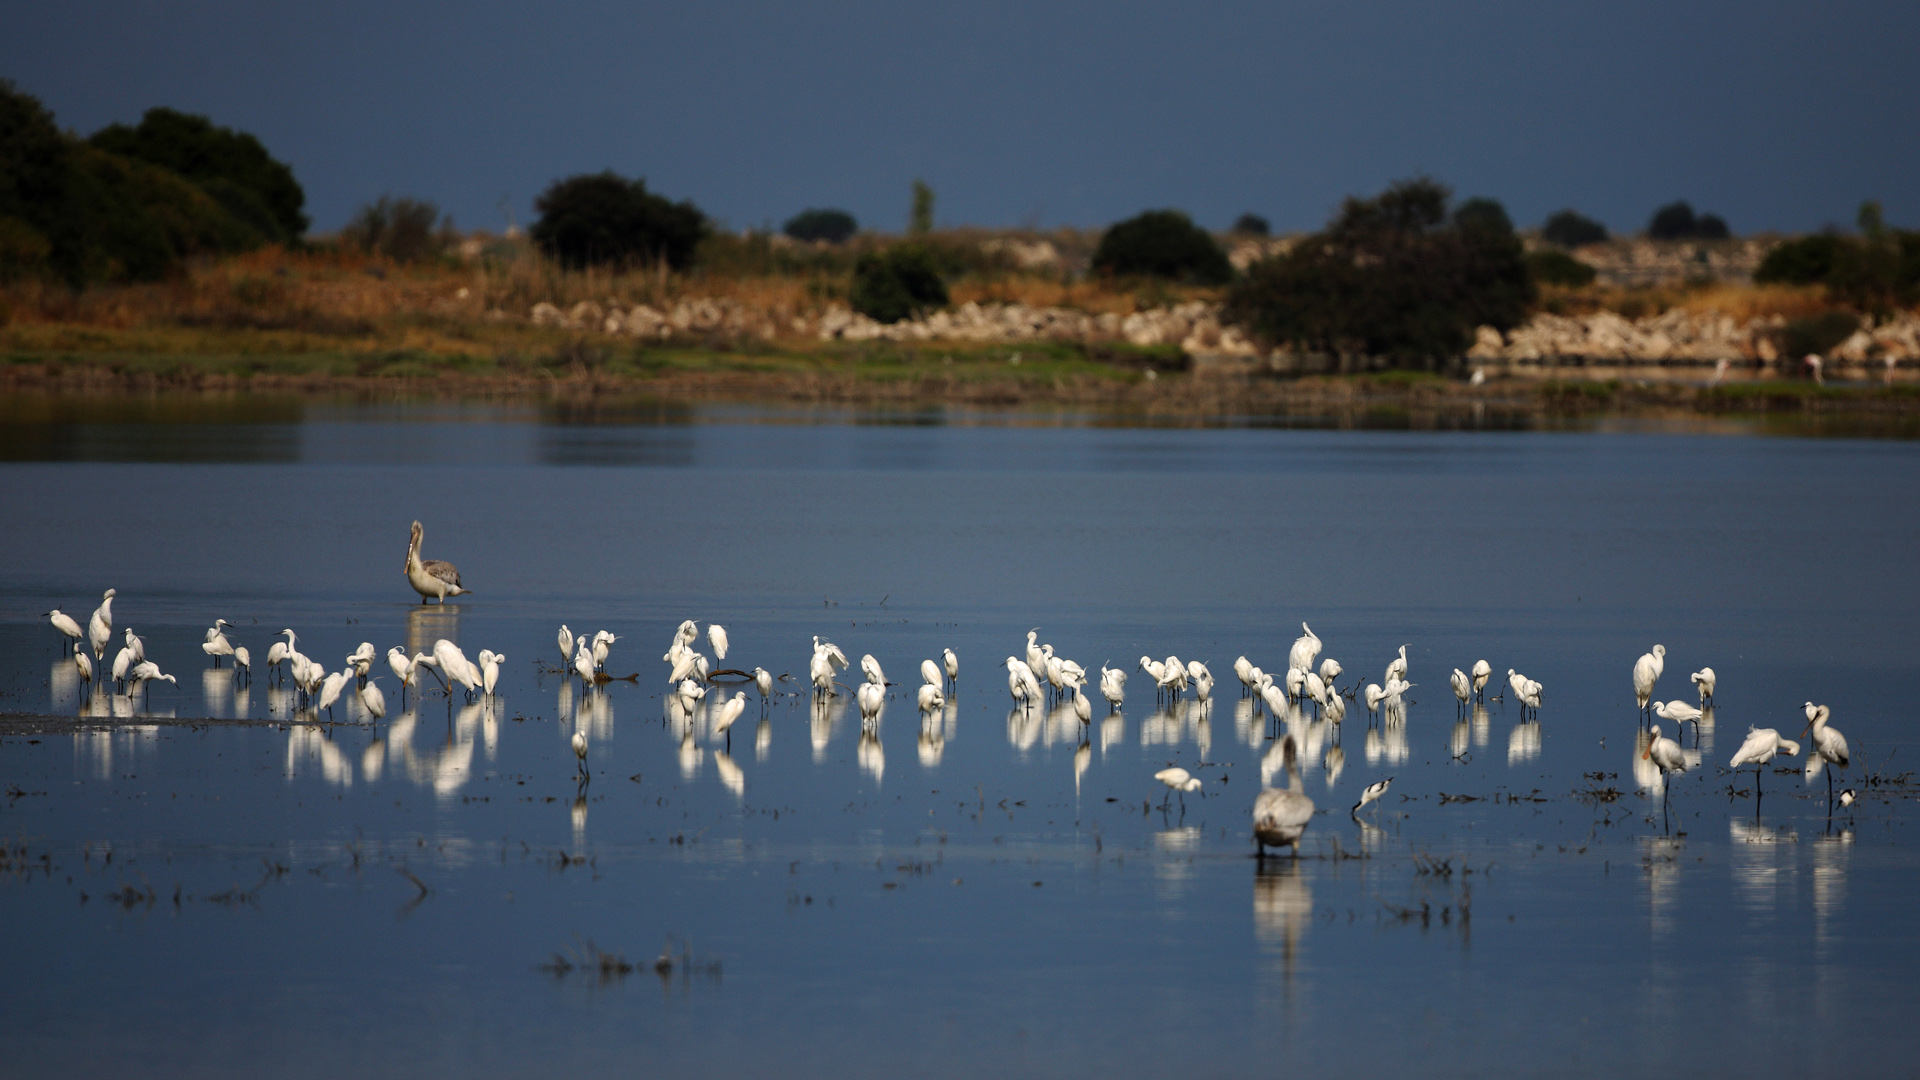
(1813,334)
(1571,229)
(895,285)
(1252,225)
(401,228)
(1484,215)
(1806,261)
(1390,277)
(1163,244)
(1551,266)
(833,226)
(1878,272)
(605,219)
(231,165)
(1677,221)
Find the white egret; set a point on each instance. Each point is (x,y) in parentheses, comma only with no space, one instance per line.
(1526,690)
(930,699)
(1482,671)
(602,641)
(583,662)
(871,697)
(1336,709)
(100,625)
(216,644)
(763,682)
(1373,695)
(729,712)
(490,670)
(72,634)
(1155,669)
(401,666)
(1177,780)
(1036,657)
(1646,672)
(1462,686)
(1679,712)
(1330,670)
(1372,793)
(242,661)
(361,659)
(330,688)
(1758,749)
(1021,683)
(831,652)
(566,645)
(685,663)
(373,699)
(1827,744)
(454,666)
(1305,648)
(951,661)
(1242,670)
(1704,679)
(144,672)
(1113,686)
(1313,686)
(717,637)
(871,669)
(690,693)
(431,577)
(136,645)
(277,654)
(1296,683)
(820,671)
(1202,687)
(1665,754)
(85,665)
(1281,815)
(1083,709)
(122,665)
(1397,667)
(930,673)
(1175,678)
(580,752)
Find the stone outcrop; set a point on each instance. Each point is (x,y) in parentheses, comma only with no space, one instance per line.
(1680,337)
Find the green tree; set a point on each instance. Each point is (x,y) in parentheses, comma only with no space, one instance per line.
(1163,244)
(921,223)
(1570,229)
(232,166)
(833,226)
(894,286)
(606,219)
(1391,277)
(401,228)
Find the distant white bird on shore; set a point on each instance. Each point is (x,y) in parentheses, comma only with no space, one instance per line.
(1646,672)
(1179,781)
(1705,680)
(1281,815)
(1719,372)
(71,633)
(100,625)
(717,637)
(1758,749)
(431,577)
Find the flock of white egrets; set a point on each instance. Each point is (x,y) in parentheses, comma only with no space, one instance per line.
(1280,815)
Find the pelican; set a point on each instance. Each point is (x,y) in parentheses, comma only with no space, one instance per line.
(490,670)
(1679,712)
(373,699)
(1704,679)
(931,699)
(242,662)
(1481,672)
(1397,667)
(330,689)
(729,712)
(952,664)
(1113,686)
(580,752)
(1526,690)
(1305,648)
(1646,672)
(432,577)
(67,627)
(1177,780)
(100,626)
(566,645)
(1462,686)
(1828,744)
(1371,794)
(1758,749)
(717,636)
(930,673)
(1281,815)
(871,697)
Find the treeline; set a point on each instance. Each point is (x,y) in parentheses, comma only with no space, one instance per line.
(128,203)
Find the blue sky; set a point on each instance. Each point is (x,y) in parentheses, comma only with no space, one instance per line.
(1779,116)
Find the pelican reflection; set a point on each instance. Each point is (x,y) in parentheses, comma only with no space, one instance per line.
(1282,910)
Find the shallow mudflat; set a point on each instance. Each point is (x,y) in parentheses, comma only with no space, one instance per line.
(985,887)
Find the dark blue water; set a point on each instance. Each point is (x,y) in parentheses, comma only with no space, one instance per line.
(984,889)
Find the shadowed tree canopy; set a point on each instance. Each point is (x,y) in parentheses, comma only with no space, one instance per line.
(1571,229)
(606,219)
(833,226)
(1677,221)
(1391,277)
(229,165)
(1163,244)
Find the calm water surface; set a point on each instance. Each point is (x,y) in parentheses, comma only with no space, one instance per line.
(982,890)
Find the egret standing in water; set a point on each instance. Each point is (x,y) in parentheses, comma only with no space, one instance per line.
(1281,815)
(1828,744)
(1113,686)
(1758,750)
(216,645)
(1462,687)
(566,645)
(1482,671)
(1666,755)
(70,630)
(85,665)
(730,712)
(330,690)
(1177,780)
(952,664)
(242,664)
(717,636)
(1705,680)
(580,753)
(763,682)
(1526,690)
(930,673)
(1646,672)
(1680,713)
(431,577)
(100,626)
(373,699)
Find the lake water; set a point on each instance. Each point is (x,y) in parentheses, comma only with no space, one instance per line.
(985,890)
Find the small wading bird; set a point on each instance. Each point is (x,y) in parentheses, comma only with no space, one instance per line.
(85,665)
(100,626)
(1371,794)
(71,634)
(723,724)
(242,664)
(1680,713)
(951,661)
(717,637)
(1482,671)
(930,673)
(1462,687)
(1113,686)
(1664,753)
(144,672)
(1646,672)
(580,753)
(763,682)
(1281,815)
(931,700)
(1179,781)
(1526,690)
(373,699)
(1758,749)
(566,645)
(1827,744)
(216,645)
(1705,680)
(431,577)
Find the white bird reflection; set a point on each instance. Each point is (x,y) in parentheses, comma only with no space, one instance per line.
(446,768)
(1082,758)
(1832,858)
(1462,737)
(1248,728)
(1523,744)
(1173,866)
(1482,726)
(690,755)
(825,723)
(1113,732)
(933,742)
(1762,861)
(373,760)
(216,688)
(763,740)
(1023,729)
(578,813)
(1336,764)
(594,715)
(63,683)
(1388,743)
(871,755)
(563,708)
(308,745)
(730,775)
(1663,860)
(1646,775)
